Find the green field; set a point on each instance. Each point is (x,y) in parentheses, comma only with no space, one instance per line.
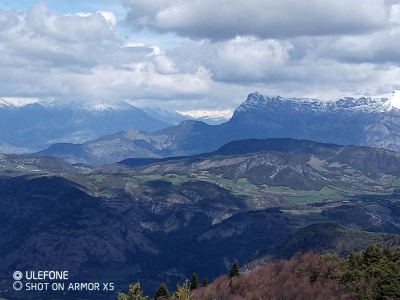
(304,217)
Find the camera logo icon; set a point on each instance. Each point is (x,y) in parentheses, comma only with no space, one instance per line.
(18,285)
(17,275)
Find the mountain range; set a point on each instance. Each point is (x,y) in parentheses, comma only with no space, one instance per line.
(196,197)
(162,219)
(364,121)
(35,126)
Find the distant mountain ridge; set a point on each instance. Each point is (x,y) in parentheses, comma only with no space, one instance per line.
(172,141)
(365,121)
(34,126)
(171,117)
(175,118)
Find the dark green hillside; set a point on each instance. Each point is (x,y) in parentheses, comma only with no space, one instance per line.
(370,161)
(379,216)
(213,248)
(162,228)
(49,222)
(302,148)
(324,238)
(76,152)
(15,165)
(201,193)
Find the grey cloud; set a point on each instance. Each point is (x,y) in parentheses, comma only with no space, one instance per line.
(270,65)
(378,48)
(241,60)
(226,19)
(7,20)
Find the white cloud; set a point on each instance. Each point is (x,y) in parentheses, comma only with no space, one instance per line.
(67,28)
(219,113)
(164,65)
(395,14)
(109,16)
(395,99)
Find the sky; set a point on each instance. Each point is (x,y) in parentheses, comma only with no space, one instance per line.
(198,56)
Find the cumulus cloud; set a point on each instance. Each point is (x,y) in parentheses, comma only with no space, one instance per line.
(67,28)
(240,60)
(225,19)
(79,56)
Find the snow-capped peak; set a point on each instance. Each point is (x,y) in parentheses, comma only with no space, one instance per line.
(17,102)
(6,103)
(256,101)
(94,106)
(104,105)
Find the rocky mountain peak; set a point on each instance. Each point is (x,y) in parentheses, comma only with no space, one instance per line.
(256,102)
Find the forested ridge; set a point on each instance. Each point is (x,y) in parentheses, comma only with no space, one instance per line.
(372,274)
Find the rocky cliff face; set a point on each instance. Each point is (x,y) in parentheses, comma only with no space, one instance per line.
(364,121)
